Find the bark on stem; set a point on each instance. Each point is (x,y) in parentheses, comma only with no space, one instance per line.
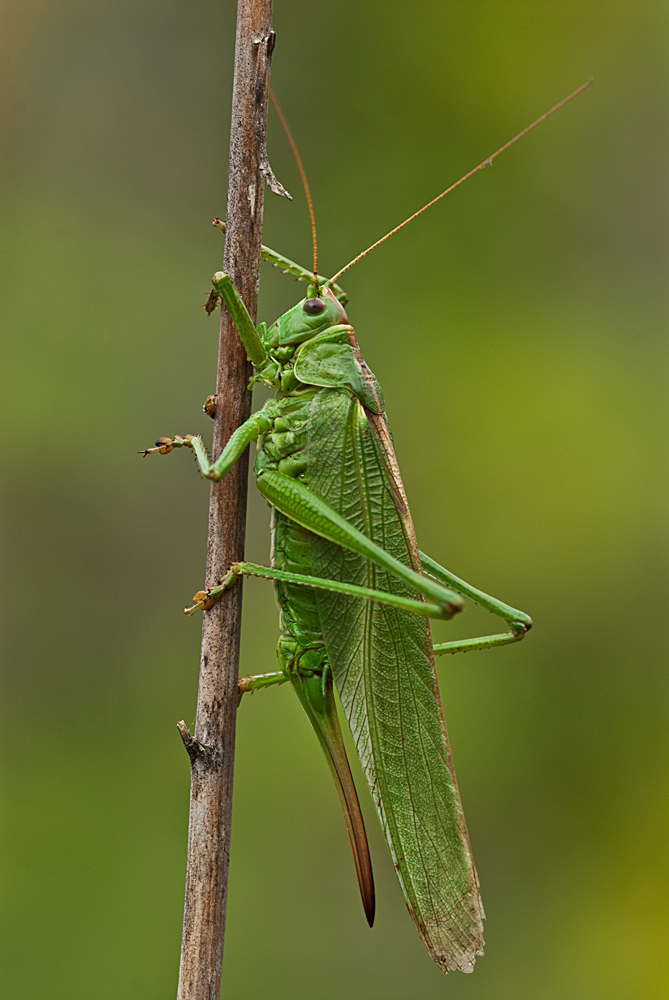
(211,749)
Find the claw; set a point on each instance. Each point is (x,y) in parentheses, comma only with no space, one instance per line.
(165,445)
(213,300)
(242,689)
(205,599)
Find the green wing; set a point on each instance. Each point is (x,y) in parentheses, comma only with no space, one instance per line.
(384,669)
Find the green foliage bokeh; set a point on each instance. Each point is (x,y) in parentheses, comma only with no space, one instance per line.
(519,332)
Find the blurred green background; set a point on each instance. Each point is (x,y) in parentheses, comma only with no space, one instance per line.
(519,333)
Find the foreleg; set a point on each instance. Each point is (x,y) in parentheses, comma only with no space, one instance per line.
(251,429)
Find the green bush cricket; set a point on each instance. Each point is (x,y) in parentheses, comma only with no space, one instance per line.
(356,594)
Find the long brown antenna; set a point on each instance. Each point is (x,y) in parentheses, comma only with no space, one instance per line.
(443,194)
(303,175)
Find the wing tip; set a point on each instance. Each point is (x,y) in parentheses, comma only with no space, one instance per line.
(453,955)
(458,963)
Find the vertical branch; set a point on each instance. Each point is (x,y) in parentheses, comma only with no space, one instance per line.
(211,749)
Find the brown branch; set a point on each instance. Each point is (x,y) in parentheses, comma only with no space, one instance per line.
(211,748)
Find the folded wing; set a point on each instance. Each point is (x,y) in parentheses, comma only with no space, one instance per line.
(384,670)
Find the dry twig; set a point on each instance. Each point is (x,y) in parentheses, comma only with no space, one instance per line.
(211,748)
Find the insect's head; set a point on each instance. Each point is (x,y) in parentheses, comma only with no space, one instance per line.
(318,311)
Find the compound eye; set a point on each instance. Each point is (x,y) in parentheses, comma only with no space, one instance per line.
(313,307)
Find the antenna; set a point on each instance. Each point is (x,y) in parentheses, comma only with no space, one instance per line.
(443,194)
(303,175)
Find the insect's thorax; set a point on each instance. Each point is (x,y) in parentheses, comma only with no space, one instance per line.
(291,332)
(284,446)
